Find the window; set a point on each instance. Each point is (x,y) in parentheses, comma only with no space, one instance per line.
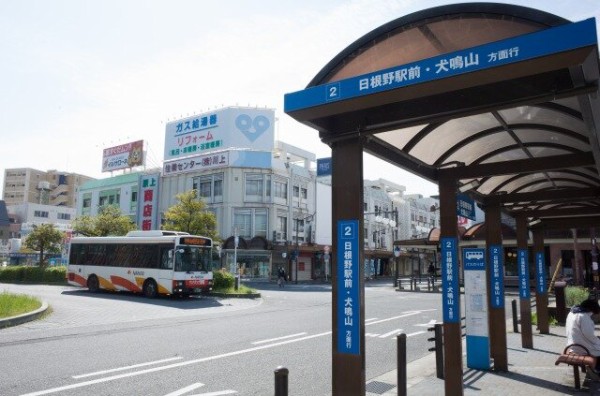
(64,216)
(251,222)
(209,187)
(257,187)
(282,226)
(296,190)
(304,193)
(280,189)
(134,196)
(40,213)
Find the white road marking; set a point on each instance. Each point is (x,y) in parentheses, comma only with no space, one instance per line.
(394,317)
(371,334)
(393,332)
(415,333)
(370,319)
(186,389)
(126,367)
(171,366)
(431,323)
(277,339)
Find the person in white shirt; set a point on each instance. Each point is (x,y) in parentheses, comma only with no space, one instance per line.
(580,330)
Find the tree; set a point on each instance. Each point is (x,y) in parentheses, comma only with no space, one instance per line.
(190,215)
(44,238)
(109,221)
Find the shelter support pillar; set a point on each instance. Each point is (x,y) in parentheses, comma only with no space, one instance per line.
(453,363)
(524,290)
(495,278)
(541,290)
(348,364)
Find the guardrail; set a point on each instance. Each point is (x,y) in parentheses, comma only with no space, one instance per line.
(415,282)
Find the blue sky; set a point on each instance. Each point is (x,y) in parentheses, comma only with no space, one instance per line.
(78,76)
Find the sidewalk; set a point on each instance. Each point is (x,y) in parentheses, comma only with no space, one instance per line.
(531,372)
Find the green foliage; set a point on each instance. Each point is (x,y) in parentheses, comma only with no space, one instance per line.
(574,295)
(190,215)
(223,280)
(44,238)
(110,221)
(551,320)
(17,304)
(17,274)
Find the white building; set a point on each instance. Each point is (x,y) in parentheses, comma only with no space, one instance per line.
(32,214)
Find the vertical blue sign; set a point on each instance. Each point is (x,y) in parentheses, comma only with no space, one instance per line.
(476,313)
(450,286)
(348,284)
(523,260)
(497,276)
(540,273)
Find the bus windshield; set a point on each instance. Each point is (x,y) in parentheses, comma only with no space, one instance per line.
(192,258)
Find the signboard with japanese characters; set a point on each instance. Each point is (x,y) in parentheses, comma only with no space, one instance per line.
(450,285)
(465,206)
(197,163)
(499,53)
(232,127)
(523,262)
(148,202)
(540,273)
(497,276)
(124,156)
(348,284)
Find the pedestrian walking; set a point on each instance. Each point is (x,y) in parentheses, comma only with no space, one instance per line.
(281,277)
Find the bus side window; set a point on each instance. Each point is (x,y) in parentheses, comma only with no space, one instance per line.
(166,258)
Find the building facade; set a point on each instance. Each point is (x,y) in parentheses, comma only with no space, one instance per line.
(55,188)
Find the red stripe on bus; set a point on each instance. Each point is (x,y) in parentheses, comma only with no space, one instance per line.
(127,284)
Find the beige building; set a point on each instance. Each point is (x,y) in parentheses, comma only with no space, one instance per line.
(52,187)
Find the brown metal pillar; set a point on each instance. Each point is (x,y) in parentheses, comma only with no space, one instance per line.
(453,364)
(348,369)
(495,279)
(541,289)
(524,291)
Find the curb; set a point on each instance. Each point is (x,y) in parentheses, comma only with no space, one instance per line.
(240,295)
(23,318)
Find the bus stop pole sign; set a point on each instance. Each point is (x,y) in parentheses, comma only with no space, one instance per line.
(348,284)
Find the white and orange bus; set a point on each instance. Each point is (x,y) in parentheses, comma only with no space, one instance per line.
(148,262)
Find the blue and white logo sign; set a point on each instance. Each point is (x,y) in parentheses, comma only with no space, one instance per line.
(219,130)
(250,127)
(324,166)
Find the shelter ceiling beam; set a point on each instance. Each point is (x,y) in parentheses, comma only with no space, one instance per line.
(529,165)
(545,196)
(557,212)
(568,222)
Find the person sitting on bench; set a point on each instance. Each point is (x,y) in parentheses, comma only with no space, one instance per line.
(580,330)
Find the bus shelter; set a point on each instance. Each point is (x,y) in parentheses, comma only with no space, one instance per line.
(496,101)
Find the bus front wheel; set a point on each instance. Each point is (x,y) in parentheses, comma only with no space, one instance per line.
(150,288)
(93,284)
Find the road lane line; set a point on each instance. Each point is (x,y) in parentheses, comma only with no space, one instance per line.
(393,332)
(126,367)
(278,338)
(370,319)
(186,389)
(170,366)
(412,313)
(415,333)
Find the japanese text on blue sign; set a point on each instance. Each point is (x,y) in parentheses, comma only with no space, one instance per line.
(540,273)
(523,260)
(450,287)
(348,283)
(497,276)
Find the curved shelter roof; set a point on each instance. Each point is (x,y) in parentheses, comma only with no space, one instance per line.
(526,131)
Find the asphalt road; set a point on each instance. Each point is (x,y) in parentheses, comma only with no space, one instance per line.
(121,344)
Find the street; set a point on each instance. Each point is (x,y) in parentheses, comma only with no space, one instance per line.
(122,344)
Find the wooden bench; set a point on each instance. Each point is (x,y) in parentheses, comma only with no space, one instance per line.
(577,360)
